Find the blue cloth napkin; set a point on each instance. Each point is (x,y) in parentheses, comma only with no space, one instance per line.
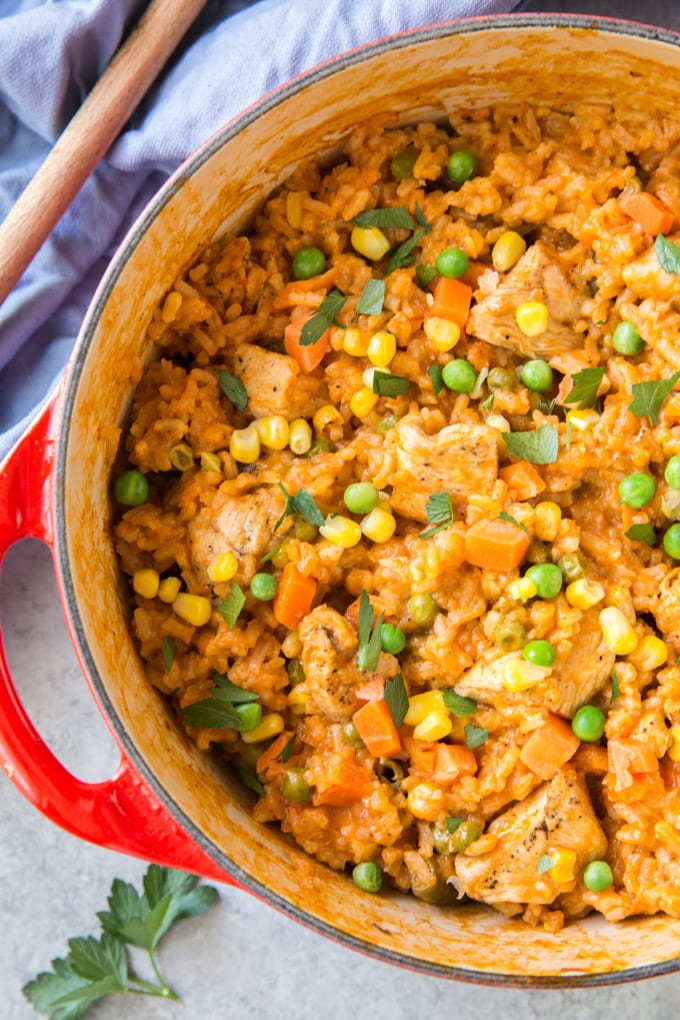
(51,53)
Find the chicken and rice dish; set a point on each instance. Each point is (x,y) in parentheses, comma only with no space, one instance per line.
(401,509)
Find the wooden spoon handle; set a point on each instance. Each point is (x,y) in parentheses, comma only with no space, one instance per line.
(90,133)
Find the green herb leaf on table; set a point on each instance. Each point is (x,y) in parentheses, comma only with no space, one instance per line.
(168,651)
(668,255)
(233,388)
(302,503)
(230,607)
(387,385)
(315,327)
(649,397)
(457,704)
(439,512)
(615,687)
(641,533)
(372,298)
(512,520)
(394,216)
(368,653)
(585,386)
(396,699)
(436,378)
(475,736)
(544,864)
(539,446)
(50,988)
(452,824)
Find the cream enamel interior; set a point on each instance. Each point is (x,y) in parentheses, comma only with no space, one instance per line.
(416,76)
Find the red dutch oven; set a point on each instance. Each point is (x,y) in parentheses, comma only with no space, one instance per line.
(168,802)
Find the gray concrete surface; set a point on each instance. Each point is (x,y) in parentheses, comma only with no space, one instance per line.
(242,960)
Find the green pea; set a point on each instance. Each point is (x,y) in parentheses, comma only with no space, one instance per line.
(296,673)
(548,579)
(501,379)
(182,457)
(401,165)
(361,497)
(588,723)
(303,530)
(441,839)
(536,375)
(425,275)
(627,340)
(572,566)
(350,735)
(510,635)
(541,653)
(672,472)
(636,490)
(597,876)
(131,488)
(465,834)
(308,262)
(392,638)
(452,262)
(321,445)
(367,876)
(423,609)
(671,541)
(250,715)
(264,587)
(459,375)
(295,787)
(461,166)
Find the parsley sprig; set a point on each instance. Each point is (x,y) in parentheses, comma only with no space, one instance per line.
(217,710)
(668,255)
(439,513)
(369,635)
(649,397)
(98,967)
(396,698)
(317,324)
(538,447)
(372,298)
(402,256)
(233,388)
(302,503)
(585,386)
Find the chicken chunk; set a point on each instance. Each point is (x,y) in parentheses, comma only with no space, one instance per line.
(239,523)
(557,815)
(275,384)
(459,460)
(645,277)
(537,276)
(657,590)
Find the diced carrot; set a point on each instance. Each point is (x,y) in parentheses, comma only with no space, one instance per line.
(371,690)
(294,597)
(309,357)
(651,214)
(522,479)
(629,758)
(452,300)
(422,754)
(496,545)
(473,273)
(591,758)
(549,747)
(375,726)
(451,761)
(275,748)
(352,782)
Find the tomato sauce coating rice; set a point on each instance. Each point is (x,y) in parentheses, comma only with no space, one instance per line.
(401,509)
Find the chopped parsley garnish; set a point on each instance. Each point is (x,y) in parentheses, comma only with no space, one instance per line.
(649,397)
(585,386)
(668,255)
(395,216)
(615,687)
(227,691)
(369,635)
(511,520)
(545,863)
(402,256)
(567,436)
(538,447)
(233,388)
(425,275)
(248,779)
(457,704)
(436,378)
(396,699)
(439,512)
(315,327)
(302,503)
(230,607)
(372,298)
(452,824)
(272,552)
(641,533)
(168,651)
(387,385)
(486,403)
(217,710)
(475,736)
(286,751)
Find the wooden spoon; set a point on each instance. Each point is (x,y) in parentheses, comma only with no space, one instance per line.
(90,133)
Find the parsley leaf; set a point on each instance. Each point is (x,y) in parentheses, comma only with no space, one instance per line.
(372,298)
(230,608)
(425,275)
(615,687)
(315,327)
(248,779)
(487,402)
(395,216)
(302,503)
(437,378)
(211,714)
(668,255)
(567,436)
(641,533)
(402,256)
(439,512)
(233,388)
(420,216)
(387,385)
(369,635)
(397,699)
(457,704)
(511,520)
(585,386)
(538,447)
(475,736)
(544,864)
(227,691)
(168,651)
(649,397)
(287,750)
(452,824)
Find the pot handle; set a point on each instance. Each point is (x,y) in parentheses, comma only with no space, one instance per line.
(120,813)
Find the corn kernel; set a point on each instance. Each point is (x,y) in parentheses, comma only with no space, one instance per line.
(223,567)
(362,402)
(522,589)
(325,416)
(145,583)
(168,589)
(291,646)
(617,630)
(210,461)
(244,445)
(651,653)
(519,675)
(582,593)
(194,609)
(497,421)
(507,250)
(426,801)
(674,750)
(171,306)
(434,726)
(443,334)
(355,342)
(422,705)
(381,348)
(378,525)
(300,436)
(341,531)
(297,700)
(294,209)
(564,865)
(623,600)
(583,420)
(370,242)
(273,430)
(270,726)
(547,519)
(182,457)
(532,318)
(367,377)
